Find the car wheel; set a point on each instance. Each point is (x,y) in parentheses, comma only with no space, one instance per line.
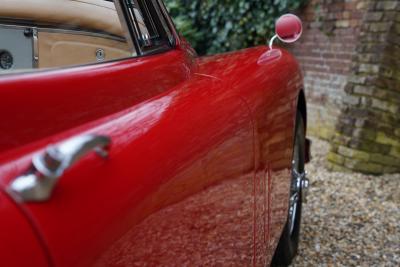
(288,244)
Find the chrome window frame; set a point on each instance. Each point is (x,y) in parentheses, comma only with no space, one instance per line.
(123,18)
(129,22)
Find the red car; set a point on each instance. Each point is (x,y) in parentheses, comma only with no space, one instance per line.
(120,146)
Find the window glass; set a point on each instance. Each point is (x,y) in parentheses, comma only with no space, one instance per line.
(150,25)
(41,34)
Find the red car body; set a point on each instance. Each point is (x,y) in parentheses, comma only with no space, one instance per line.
(198,171)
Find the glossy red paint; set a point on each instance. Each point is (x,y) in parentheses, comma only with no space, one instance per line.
(20,245)
(46,103)
(198,172)
(269,87)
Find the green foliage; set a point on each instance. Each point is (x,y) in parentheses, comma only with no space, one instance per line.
(214,26)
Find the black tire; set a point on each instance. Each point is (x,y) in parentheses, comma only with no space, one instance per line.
(289,241)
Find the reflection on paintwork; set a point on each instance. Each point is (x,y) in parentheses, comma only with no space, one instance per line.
(213,227)
(139,122)
(17,236)
(272,103)
(51,103)
(269,56)
(198,172)
(204,214)
(189,211)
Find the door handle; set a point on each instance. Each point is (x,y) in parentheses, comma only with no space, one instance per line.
(48,167)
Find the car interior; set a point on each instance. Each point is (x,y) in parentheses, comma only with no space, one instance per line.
(57,33)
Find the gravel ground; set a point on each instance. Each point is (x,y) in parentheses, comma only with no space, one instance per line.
(350,219)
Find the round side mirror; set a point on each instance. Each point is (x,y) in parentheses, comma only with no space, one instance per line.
(288,28)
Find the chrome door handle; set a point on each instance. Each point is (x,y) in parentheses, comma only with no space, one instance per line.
(47,168)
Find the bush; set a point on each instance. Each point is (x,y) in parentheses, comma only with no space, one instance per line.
(214,26)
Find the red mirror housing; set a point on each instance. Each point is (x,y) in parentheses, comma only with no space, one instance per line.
(288,28)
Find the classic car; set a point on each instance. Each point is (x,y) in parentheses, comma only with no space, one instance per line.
(120,146)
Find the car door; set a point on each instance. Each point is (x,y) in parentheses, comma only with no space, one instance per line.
(21,240)
(173,183)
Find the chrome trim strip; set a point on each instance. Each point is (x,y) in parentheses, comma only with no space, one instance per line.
(164,22)
(35,47)
(125,27)
(170,22)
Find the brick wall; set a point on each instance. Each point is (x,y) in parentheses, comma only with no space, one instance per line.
(325,51)
(367,137)
(350,55)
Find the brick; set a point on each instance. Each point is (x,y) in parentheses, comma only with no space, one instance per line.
(365,133)
(397,28)
(349,88)
(374,16)
(363,166)
(353,153)
(370,146)
(379,27)
(386,5)
(391,169)
(361,5)
(346,15)
(357,79)
(385,160)
(395,152)
(386,72)
(366,101)
(369,68)
(363,90)
(325,133)
(337,168)
(397,132)
(338,140)
(382,138)
(387,94)
(336,158)
(384,105)
(352,100)
(349,5)
(396,75)
(342,24)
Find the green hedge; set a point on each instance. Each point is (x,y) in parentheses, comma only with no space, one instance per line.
(214,26)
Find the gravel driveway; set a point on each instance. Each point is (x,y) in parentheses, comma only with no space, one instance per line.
(350,219)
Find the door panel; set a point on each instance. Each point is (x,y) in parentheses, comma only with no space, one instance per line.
(20,245)
(177,187)
(44,104)
(57,49)
(269,86)
(18,46)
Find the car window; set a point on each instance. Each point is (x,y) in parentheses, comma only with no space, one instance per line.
(150,25)
(42,34)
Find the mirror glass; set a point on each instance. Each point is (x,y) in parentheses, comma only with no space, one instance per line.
(288,28)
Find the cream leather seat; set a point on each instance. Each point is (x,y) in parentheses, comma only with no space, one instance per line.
(59,48)
(97,15)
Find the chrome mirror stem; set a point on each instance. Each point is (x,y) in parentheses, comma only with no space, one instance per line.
(271,41)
